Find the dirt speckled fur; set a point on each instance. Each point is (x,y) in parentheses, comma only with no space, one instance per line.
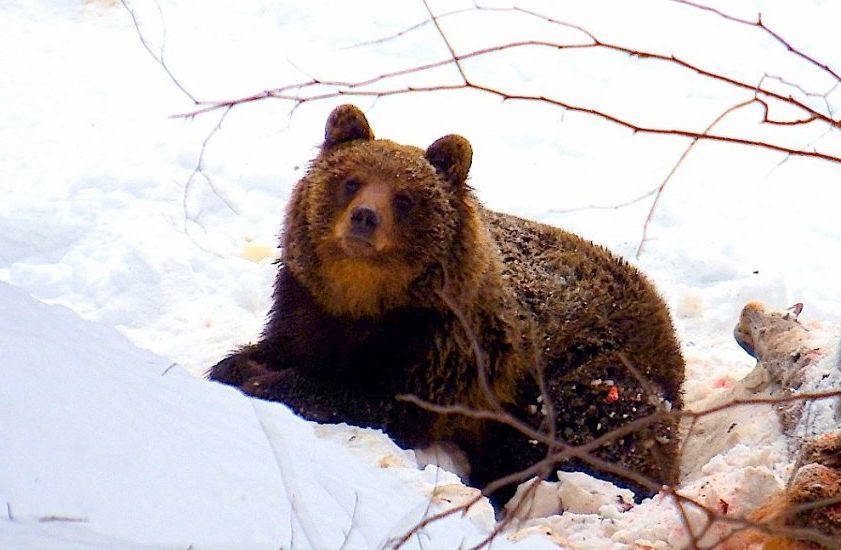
(357,321)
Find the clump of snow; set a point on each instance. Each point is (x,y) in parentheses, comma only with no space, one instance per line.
(574,492)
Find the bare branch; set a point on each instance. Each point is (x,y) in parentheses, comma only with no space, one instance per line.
(761,25)
(169,368)
(398,542)
(405,31)
(804,396)
(671,173)
(618,206)
(478,353)
(506,521)
(362,88)
(351,91)
(446,40)
(158,57)
(199,171)
(352,525)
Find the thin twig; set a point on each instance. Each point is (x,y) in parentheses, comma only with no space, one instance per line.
(159,57)
(199,171)
(618,206)
(407,30)
(446,40)
(352,525)
(61,519)
(761,25)
(671,173)
(169,368)
(500,526)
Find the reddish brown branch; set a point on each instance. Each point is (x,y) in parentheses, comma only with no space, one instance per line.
(353,89)
(362,87)
(805,396)
(446,40)
(759,24)
(350,92)
(500,526)
(649,130)
(347,88)
(768,120)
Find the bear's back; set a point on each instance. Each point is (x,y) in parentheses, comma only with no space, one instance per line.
(584,299)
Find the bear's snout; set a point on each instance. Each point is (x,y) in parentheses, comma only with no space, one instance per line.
(363,221)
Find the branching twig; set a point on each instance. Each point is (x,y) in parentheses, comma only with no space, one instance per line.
(617,206)
(583,453)
(446,40)
(405,31)
(199,171)
(457,59)
(159,57)
(478,353)
(418,527)
(761,25)
(671,173)
(527,499)
(804,396)
(352,90)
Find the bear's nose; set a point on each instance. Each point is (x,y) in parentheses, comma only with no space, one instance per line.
(363,221)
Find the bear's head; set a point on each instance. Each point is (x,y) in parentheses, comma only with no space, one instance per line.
(373,223)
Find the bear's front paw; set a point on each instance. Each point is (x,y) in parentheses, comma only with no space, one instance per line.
(265,385)
(236,369)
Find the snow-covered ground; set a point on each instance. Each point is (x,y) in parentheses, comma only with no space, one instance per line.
(103,211)
(106,446)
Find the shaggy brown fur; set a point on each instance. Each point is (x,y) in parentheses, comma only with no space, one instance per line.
(389,266)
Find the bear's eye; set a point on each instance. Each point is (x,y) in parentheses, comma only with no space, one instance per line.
(403,203)
(351,186)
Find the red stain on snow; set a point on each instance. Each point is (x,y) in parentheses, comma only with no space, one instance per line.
(725,382)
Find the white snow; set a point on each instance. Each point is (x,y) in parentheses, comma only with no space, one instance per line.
(105,212)
(104,444)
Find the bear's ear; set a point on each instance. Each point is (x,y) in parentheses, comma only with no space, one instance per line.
(451,156)
(345,123)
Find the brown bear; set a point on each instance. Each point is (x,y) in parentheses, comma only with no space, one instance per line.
(395,281)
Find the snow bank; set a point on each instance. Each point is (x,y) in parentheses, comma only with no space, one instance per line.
(105,444)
